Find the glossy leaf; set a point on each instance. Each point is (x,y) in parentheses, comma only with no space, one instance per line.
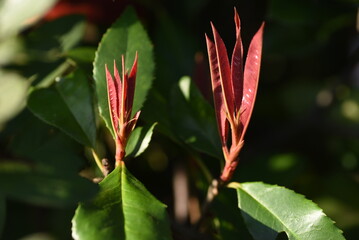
(24,183)
(192,118)
(123,209)
(217,92)
(224,70)
(270,209)
(68,107)
(251,77)
(139,140)
(125,36)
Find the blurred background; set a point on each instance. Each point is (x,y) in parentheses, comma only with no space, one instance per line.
(304,132)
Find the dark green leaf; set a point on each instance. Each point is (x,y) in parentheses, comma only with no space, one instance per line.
(82,54)
(61,34)
(270,209)
(68,106)
(2,213)
(125,36)
(25,183)
(139,140)
(123,209)
(193,118)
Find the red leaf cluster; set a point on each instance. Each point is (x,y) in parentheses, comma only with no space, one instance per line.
(120,93)
(234,90)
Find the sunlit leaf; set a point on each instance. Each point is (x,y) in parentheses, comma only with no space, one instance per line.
(13,91)
(16,14)
(125,36)
(270,209)
(123,209)
(139,140)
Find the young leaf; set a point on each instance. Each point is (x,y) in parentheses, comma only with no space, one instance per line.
(68,106)
(124,37)
(139,140)
(251,76)
(123,209)
(270,209)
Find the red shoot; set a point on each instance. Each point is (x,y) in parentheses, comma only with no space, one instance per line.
(234,91)
(120,99)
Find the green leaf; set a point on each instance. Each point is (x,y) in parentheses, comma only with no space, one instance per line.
(139,140)
(15,15)
(25,183)
(193,119)
(68,106)
(82,54)
(123,209)
(270,209)
(2,213)
(13,91)
(125,36)
(62,34)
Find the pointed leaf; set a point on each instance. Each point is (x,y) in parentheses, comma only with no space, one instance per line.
(126,36)
(224,72)
(251,77)
(237,64)
(270,209)
(217,92)
(139,140)
(131,84)
(123,209)
(68,107)
(112,98)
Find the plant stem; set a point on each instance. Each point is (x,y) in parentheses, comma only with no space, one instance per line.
(212,192)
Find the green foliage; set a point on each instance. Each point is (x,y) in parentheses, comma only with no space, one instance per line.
(14,87)
(124,37)
(192,118)
(139,140)
(269,210)
(122,209)
(307,88)
(13,15)
(71,107)
(22,182)
(46,172)
(2,213)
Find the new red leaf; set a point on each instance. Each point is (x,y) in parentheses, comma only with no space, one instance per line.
(224,72)
(237,64)
(251,76)
(217,92)
(112,100)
